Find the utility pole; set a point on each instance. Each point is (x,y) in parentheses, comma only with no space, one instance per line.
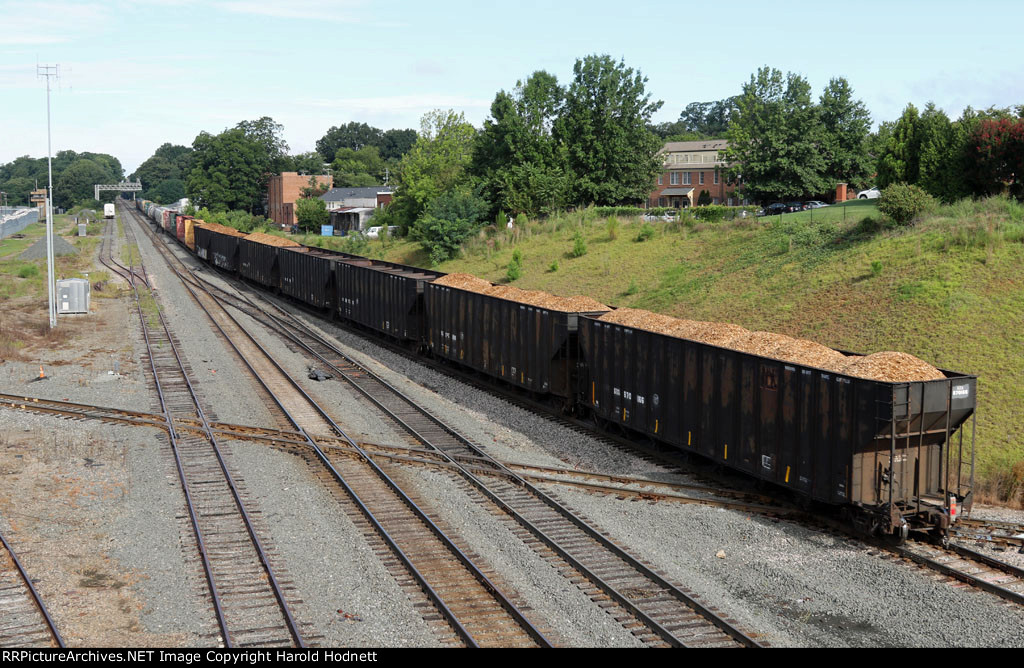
(49,71)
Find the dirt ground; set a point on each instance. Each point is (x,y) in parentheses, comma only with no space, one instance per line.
(59,488)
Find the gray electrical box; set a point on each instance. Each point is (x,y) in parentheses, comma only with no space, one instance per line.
(73,295)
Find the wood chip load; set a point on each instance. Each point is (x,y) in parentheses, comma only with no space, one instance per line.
(539,298)
(891,367)
(809,353)
(222,229)
(713,333)
(463,282)
(271,240)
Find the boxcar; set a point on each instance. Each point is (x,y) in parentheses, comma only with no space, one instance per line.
(383,296)
(528,346)
(880,447)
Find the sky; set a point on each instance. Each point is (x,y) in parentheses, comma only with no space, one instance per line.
(138,74)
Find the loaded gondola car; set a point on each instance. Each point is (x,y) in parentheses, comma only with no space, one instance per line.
(882,452)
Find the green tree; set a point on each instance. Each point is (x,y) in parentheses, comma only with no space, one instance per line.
(364,165)
(307,163)
(436,164)
(75,183)
(899,161)
(353,135)
(229,171)
(168,163)
(776,137)
(311,213)
(516,155)
(167,191)
(396,143)
(611,155)
(706,120)
(847,124)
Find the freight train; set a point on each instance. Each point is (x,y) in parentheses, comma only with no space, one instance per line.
(880,453)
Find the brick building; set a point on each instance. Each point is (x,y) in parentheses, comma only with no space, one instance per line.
(688,168)
(284,190)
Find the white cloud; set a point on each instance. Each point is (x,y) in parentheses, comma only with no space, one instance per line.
(26,23)
(341,11)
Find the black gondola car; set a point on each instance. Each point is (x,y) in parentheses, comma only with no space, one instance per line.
(307,274)
(258,262)
(384,296)
(528,346)
(884,448)
(217,248)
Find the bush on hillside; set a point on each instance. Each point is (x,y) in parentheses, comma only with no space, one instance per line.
(515,267)
(450,219)
(903,203)
(579,245)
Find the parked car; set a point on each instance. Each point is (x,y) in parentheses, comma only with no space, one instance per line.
(775,209)
(374,232)
(793,207)
(870,193)
(814,204)
(666,217)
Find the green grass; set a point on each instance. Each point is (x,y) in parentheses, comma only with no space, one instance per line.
(948,289)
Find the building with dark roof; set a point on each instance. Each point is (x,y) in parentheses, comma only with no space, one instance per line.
(371,197)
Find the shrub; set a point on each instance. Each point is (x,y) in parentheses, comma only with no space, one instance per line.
(28,271)
(612,226)
(554,266)
(903,203)
(579,245)
(711,213)
(633,288)
(704,198)
(876,268)
(646,232)
(450,219)
(515,267)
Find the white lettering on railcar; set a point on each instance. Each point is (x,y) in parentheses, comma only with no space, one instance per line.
(767,461)
(961,391)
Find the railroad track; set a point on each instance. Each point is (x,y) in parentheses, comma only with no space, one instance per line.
(479,613)
(969,566)
(1005,534)
(668,614)
(248,599)
(106,257)
(24,620)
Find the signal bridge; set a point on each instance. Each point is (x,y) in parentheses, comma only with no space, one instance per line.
(124,187)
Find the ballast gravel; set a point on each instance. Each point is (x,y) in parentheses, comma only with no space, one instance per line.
(791,585)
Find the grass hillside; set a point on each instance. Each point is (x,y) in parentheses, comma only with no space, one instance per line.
(949,289)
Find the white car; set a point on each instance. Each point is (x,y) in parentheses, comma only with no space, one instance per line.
(814,204)
(870,193)
(374,232)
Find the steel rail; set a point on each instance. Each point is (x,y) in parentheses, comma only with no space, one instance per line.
(457,625)
(222,621)
(595,535)
(958,574)
(36,598)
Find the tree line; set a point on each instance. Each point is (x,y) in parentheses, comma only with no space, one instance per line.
(74,175)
